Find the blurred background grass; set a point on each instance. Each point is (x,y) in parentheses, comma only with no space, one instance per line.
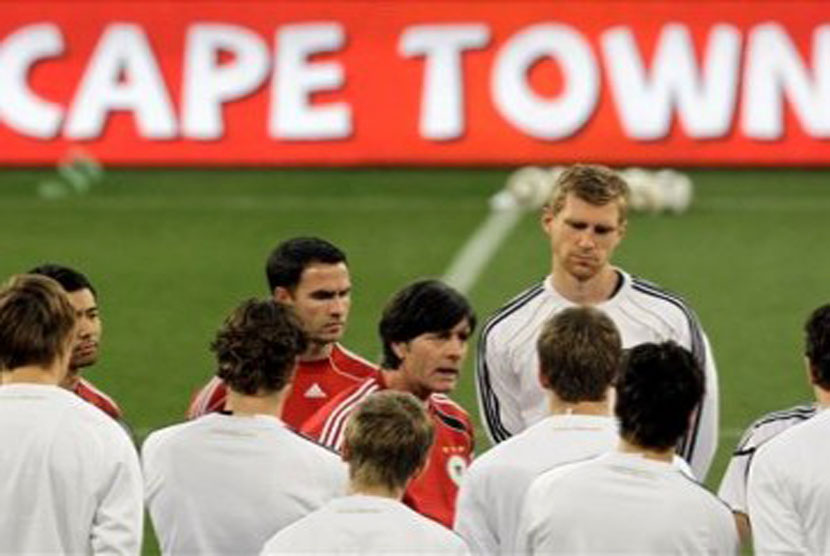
(171,252)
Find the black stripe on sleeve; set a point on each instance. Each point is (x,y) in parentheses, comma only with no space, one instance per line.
(687,444)
(488,401)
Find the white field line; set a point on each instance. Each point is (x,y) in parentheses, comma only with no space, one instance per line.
(469,263)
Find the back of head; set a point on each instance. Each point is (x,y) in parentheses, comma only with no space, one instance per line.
(594,184)
(387,439)
(579,354)
(37,322)
(257,347)
(659,387)
(70,279)
(423,306)
(817,348)
(287,261)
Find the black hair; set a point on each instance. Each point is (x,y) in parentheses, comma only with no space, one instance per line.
(659,387)
(423,306)
(287,261)
(817,346)
(70,279)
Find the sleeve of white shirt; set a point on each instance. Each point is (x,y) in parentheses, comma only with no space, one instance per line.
(118,523)
(732,489)
(471,516)
(498,388)
(705,437)
(775,525)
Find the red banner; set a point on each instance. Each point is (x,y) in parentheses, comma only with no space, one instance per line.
(416,83)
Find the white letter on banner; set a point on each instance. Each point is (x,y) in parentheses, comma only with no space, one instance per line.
(295,79)
(774,68)
(705,99)
(21,109)
(442,100)
(123,52)
(537,116)
(208,84)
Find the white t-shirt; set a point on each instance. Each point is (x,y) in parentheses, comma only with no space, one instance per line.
(491,495)
(222,484)
(789,490)
(507,369)
(732,488)
(360,524)
(623,503)
(71,481)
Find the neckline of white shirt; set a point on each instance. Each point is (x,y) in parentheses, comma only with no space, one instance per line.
(547,284)
(581,419)
(44,389)
(351,500)
(639,460)
(269,420)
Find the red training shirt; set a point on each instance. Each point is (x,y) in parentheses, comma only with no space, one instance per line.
(433,492)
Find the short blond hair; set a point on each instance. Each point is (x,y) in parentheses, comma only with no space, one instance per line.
(387,439)
(37,322)
(592,183)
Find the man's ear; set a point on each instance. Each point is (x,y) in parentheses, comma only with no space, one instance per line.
(808,367)
(400,349)
(283,295)
(546,218)
(622,228)
(543,380)
(345,451)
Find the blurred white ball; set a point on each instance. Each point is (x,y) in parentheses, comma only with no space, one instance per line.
(646,192)
(677,190)
(530,186)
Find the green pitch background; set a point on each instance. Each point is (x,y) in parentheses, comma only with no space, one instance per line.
(171,252)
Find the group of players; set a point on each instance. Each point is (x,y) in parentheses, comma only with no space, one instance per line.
(599,390)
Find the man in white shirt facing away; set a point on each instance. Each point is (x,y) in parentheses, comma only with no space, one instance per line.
(387,440)
(732,489)
(579,355)
(633,500)
(789,483)
(224,483)
(585,220)
(71,478)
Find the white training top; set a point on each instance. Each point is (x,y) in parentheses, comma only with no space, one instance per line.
(360,524)
(733,484)
(71,478)
(623,503)
(222,484)
(507,370)
(789,490)
(490,500)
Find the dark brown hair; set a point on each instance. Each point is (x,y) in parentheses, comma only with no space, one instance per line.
(579,354)
(257,347)
(817,345)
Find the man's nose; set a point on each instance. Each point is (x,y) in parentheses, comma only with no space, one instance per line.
(586,240)
(338,305)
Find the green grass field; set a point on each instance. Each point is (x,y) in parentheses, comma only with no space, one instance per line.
(172,251)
